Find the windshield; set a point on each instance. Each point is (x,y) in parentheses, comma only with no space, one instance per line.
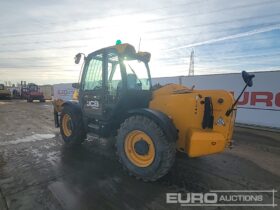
(1,87)
(33,88)
(137,74)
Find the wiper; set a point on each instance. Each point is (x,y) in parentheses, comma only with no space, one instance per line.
(134,73)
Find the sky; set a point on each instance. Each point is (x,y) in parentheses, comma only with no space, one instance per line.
(39,39)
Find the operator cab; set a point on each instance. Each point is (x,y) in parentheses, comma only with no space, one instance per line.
(32,87)
(114,80)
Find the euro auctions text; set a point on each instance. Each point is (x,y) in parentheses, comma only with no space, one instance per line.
(224,198)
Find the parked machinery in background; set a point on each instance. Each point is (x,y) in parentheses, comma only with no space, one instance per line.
(31,92)
(16,94)
(4,92)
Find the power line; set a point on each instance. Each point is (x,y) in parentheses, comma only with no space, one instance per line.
(247,57)
(239,63)
(223,70)
(222,50)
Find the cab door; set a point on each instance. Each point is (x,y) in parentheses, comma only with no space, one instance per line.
(92,87)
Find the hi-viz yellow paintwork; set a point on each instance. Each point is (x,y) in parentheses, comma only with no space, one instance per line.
(139,160)
(186,109)
(58,103)
(75,96)
(66,120)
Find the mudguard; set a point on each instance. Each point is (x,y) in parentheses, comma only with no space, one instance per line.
(74,104)
(58,108)
(160,119)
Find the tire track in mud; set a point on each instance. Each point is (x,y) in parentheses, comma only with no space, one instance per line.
(3,202)
(28,168)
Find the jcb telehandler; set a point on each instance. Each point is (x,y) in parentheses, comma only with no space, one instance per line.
(116,98)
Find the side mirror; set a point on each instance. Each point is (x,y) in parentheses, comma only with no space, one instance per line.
(78,58)
(248,78)
(76,85)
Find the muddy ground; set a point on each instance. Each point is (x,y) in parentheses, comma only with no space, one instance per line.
(38,172)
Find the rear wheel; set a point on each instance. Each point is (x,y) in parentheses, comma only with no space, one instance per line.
(71,126)
(144,149)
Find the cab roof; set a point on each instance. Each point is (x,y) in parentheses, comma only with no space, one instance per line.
(125,50)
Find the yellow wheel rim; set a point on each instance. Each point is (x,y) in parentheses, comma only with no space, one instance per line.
(140,160)
(66,125)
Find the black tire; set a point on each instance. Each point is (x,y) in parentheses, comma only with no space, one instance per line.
(42,100)
(78,134)
(164,149)
(29,100)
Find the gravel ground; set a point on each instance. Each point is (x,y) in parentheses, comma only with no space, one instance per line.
(38,172)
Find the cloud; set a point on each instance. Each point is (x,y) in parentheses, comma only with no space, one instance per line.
(225,38)
(50,33)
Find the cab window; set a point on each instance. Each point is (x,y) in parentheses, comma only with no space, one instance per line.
(114,74)
(137,75)
(93,76)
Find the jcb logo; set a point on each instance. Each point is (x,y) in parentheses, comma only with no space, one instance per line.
(93,104)
(260,98)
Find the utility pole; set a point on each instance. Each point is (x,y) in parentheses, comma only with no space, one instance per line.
(191,67)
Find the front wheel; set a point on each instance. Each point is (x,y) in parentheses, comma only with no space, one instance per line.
(144,149)
(71,126)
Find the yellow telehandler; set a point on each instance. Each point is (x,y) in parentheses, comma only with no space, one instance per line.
(149,123)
